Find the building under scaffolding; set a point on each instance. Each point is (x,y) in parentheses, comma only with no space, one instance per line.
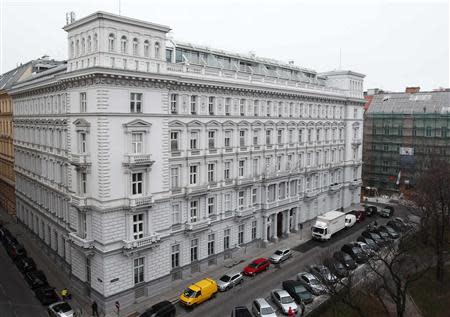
(402,133)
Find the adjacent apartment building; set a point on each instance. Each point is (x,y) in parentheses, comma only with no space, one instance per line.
(144,159)
(7,80)
(402,132)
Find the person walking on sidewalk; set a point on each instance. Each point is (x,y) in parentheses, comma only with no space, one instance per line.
(95,309)
(302,309)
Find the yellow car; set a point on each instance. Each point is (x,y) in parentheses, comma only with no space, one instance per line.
(199,292)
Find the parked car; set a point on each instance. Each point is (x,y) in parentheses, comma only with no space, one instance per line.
(256,266)
(298,291)
(384,212)
(336,267)
(241,311)
(161,309)
(36,279)
(375,237)
(359,214)
(350,220)
(16,250)
(60,309)
(355,252)
(398,226)
(284,301)
(199,292)
(323,274)
(370,210)
(261,308)
(311,283)
(25,264)
(345,259)
(404,223)
(229,280)
(390,231)
(371,243)
(46,295)
(383,235)
(280,255)
(366,248)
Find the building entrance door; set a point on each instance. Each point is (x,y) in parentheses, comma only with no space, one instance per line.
(279,224)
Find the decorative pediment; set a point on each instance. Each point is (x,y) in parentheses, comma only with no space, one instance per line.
(137,123)
(229,123)
(269,123)
(292,124)
(177,123)
(257,123)
(243,123)
(195,123)
(213,123)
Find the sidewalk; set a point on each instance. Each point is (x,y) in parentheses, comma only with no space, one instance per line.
(56,275)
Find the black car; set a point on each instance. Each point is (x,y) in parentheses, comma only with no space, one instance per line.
(46,295)
(383,235)
(345,259)
(16,250)
(36,279)
(397,226)
(336,267)
(161,309)
(323,273)
(355,252)
(375,237)
(390,231)
(297,291)
(372,244)
(241,311)
(25,264)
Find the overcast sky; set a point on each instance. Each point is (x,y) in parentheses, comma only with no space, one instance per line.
(395,43)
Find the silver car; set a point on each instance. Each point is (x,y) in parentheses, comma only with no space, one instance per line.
(284,301)
(229,280)
(261,308)
(280,255)
(60,309)
(311,283)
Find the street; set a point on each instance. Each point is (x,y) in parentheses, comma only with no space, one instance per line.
(311,252)
(16,298)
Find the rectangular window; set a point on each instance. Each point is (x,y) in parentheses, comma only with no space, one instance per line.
(138,270)
(176,215)
(83,144)
(241,168)
(174,103)
(211,172)
(83,102)
(194,104)
(255,167)
(256,108)
(83,183)
(241,199)
(280,136)
(175,256)
(136,183)
(137,142)
(268,137)
(193,142)
(255,138)
(174,141)
(228,106)
(268,107)
(291,136)
(135,102)
(193,211)
(227,141)
(241,234)
(242,107)
(211,206)
(227,170)
(211,139)
(211,105)
(175,177)
(242,138)
(254,224)
(138,226)
(226,239)
(193,170)
(254,196)
(227,200)
(211,242)
(194,250)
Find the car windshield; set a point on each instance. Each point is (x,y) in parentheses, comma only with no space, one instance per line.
(313,281)
(267,310)
(62,308)
(225,278)
(189,293)
(286,300)
(356,250)
(317,230)
(278,252)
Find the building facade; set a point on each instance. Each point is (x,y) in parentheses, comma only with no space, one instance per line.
(402,132)
(146,159)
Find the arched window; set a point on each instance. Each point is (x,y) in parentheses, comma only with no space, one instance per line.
(72,49)
(95,42)
(157,53)
(77,48)
(111,42)
(89,44)
(123,45)
(135,46)
(83,46)
(146,48)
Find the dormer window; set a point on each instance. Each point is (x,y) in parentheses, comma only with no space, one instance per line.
(135,47)
(111,42)
(146,48)
(123,44)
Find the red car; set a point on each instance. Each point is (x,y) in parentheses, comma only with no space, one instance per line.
(256,267)
(360,215)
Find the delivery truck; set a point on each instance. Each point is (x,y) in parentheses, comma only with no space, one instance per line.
(328,224)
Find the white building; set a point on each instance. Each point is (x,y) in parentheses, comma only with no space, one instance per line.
(144,159)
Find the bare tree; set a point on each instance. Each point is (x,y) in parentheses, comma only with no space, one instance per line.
(432,196)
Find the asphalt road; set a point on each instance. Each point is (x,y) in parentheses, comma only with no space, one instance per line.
(312,252)
(16,298)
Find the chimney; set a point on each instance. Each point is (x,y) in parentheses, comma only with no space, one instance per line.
(412,90)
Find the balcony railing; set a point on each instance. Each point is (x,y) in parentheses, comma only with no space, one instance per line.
(80,159)
(141,243)
(245,212)
(335,187)
(311,193)
(80,242)
(140,201)
(199,225)
(138,159)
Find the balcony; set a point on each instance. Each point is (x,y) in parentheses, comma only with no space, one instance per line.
(197,226)
(80,242)
(355,183)
(140,201)
(197,190)
(244,213)
(80,159)
(137,160)
(79,201)
(310,194)
(335,187)
(141,243)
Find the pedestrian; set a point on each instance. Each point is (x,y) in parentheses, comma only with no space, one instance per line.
(302,309)
(95,309)
(291,312)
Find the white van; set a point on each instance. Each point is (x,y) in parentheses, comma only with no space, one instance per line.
(350,220)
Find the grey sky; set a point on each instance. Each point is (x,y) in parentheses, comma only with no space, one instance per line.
(395,43)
